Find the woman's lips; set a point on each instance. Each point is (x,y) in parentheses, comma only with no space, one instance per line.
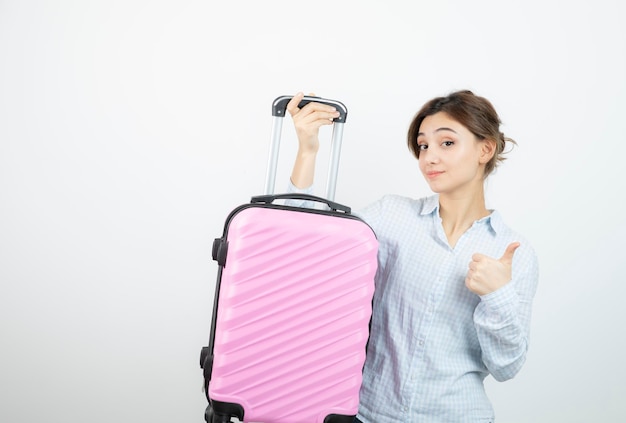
(433,173)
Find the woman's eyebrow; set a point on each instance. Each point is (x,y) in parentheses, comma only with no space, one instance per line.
(438,130)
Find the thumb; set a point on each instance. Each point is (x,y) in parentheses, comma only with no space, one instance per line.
(507,257)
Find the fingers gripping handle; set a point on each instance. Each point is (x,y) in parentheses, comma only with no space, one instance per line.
(279,108)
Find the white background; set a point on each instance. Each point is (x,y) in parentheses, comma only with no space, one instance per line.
(129,129)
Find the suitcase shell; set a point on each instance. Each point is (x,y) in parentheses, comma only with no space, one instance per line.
(291,313)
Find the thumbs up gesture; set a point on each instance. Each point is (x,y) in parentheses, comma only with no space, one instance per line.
(486,274)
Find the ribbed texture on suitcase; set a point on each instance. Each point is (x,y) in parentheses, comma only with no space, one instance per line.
(293,315)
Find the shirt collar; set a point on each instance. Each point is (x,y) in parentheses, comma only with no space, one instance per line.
(494,220)
(430,204)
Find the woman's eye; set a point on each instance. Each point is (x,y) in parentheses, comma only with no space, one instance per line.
(422,147)
(447,143)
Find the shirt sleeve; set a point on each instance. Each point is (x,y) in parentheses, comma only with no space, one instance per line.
(292,189)
(502,319)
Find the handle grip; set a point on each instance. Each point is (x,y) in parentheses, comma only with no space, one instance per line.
(268,199)
(279,106)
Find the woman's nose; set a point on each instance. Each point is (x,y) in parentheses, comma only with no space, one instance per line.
(432,157)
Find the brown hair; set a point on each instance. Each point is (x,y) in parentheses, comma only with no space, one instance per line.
(476,113)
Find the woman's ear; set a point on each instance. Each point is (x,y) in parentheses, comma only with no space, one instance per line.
(487,150)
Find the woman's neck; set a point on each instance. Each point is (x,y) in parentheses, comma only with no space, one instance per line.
(459,212)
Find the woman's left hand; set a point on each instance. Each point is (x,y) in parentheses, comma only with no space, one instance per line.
(487,274)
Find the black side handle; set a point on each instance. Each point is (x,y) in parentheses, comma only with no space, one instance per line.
(268,199)
(279,106)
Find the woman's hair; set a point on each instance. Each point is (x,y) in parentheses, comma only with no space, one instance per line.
(475,113)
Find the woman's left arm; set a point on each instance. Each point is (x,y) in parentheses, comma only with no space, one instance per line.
(502,318)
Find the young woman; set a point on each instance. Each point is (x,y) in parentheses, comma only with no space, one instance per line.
(454,285)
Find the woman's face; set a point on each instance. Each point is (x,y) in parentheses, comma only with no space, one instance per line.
(451,158)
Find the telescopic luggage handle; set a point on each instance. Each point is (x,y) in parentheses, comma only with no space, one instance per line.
(279,108)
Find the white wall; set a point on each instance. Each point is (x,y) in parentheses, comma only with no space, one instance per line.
(129,129)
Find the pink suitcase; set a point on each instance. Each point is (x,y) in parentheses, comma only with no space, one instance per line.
(292,305)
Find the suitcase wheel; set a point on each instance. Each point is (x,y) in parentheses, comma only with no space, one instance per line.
(208,414)
(220,249)
(211,417)
(203,355)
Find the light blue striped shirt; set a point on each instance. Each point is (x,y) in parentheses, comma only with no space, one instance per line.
(433,341)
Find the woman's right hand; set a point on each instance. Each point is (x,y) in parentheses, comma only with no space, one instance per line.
(308,121)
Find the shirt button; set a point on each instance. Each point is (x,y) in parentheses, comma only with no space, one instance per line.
(421,343)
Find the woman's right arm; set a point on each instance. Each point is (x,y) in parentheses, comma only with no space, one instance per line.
(307,121)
